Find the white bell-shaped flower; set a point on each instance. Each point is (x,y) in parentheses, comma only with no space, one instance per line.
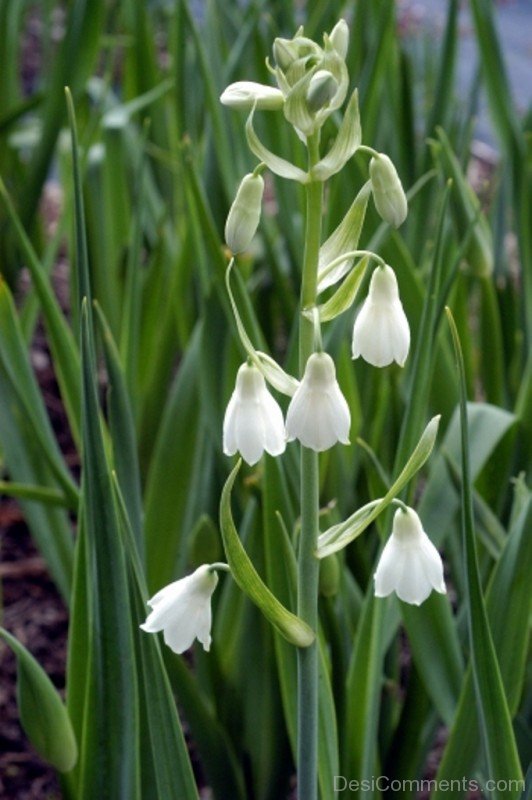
(410,565)
(318,414)
(182,610)
(381,333)
(253,420)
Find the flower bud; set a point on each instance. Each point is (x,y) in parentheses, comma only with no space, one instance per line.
(340,38)
(329,576)
(244,215)
(285,52)
(388,194)
(246,94)
(322,88)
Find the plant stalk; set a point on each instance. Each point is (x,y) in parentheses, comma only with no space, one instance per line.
(308,564)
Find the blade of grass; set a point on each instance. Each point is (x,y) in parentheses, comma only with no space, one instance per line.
(496,724)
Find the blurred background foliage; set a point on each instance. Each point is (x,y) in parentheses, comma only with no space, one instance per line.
(160,160)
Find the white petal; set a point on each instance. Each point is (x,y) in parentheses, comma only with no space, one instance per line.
(298,411)
(229,429)
(433,565)
(272,417)
(412,584)
(341,416)
(386,572)
(401,334)
(372,337)
(180,633)
(249,431)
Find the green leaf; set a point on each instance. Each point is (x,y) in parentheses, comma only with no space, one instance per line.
(345,295)
(64,351)
(42,714)
(465,206)
(337,537)
(343,240)
(169,476)
(109,748)
(122,429)
(164,743)
(508,588)
(15,362)
(345,145)
(496,724)
(271,370)
(289,625)
(279,166)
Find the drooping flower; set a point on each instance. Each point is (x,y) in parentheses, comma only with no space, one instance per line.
(409,565)
(318,414)
(244,215)
(253,420)
(182,610)
(246,94)
(388,193)
(381,333)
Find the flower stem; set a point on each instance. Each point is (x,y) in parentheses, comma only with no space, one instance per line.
(308,564)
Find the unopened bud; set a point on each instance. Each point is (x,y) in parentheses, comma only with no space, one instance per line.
(329,576)
(388,193)
(321,90)
(248,94)
(340,38)
(244,215)
(285,52)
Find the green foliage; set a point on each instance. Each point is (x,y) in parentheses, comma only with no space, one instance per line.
(147,186)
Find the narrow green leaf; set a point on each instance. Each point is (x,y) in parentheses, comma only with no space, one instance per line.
(496,723)
(279,166)
(62,344)
(82,279)
(343,240)
(345,295)
(164,743)
(109,762)
(169,476)
(337,537)
(289,625)
(345,145)
(42,713)
(465,206)
(15,362)
(509,582)
(122,430)
(41,494)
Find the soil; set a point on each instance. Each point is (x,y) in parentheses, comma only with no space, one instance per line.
(34,613)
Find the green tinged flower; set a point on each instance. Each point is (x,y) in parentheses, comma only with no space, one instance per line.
(313,79)
(388,193)
(244,215)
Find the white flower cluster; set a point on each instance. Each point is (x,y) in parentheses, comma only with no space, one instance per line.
(318,414)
